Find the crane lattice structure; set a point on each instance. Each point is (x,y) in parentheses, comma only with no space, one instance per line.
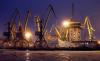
(41,29)
(89,27)
(21,31)
(11,29)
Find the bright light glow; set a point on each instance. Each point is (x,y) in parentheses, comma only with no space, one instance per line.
(28,35)
(98,42)
(66,23)
(27,54)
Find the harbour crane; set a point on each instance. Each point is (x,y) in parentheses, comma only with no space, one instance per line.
(11,29)
(41,29)
(89,27)
(11,34)
(86,25)
(27,32)
(22,31)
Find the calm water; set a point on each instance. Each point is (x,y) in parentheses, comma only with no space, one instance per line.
(12,55)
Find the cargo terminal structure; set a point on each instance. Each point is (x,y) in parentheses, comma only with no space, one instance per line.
(69,34)
(66,35)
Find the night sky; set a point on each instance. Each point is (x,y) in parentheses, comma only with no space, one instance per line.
(63,9)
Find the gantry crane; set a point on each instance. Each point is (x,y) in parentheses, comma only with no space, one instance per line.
(89,27)
(27,30)
(21,30)
(11,34)
(11,28)
(86,25)
(41,29)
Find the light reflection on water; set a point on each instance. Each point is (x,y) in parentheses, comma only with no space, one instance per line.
(49,56)
(27,54)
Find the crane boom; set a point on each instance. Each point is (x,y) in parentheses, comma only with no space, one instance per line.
(26,20)
(50,10)
(88,25)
